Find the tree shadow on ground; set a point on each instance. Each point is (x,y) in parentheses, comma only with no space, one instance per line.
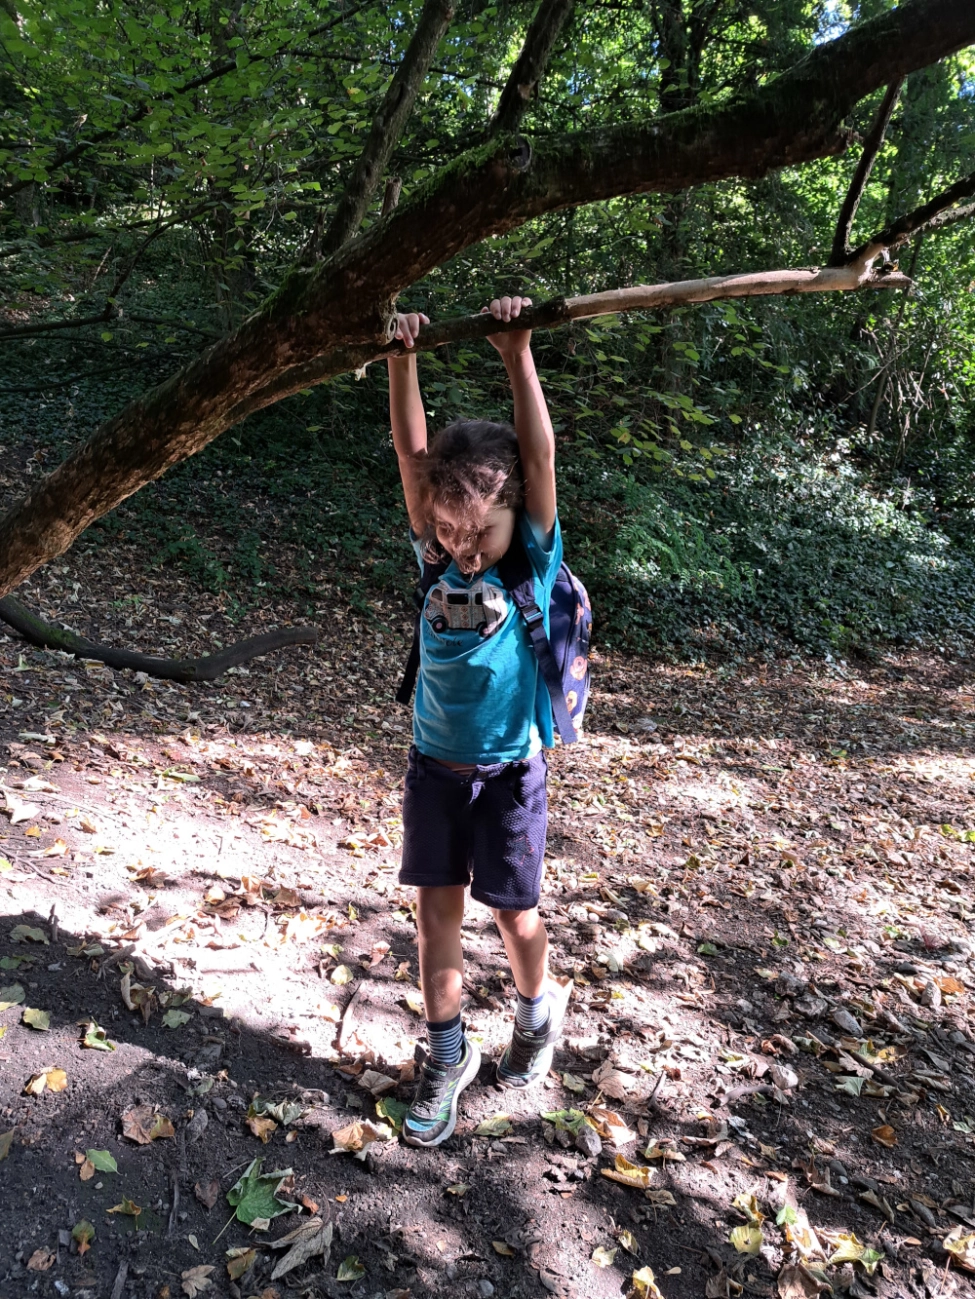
(534,1211)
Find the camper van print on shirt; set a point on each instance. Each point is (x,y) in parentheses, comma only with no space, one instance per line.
(481,607)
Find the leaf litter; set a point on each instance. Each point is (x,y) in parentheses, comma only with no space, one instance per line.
(762,840)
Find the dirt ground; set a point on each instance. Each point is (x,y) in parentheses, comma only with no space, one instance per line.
(759,879)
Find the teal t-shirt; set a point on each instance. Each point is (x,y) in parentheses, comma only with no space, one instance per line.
(480,696)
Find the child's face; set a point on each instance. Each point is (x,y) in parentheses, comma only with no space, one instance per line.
(474,546)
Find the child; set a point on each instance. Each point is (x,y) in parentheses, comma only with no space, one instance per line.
(474,808)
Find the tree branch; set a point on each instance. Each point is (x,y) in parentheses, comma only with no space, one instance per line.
(43,634)
(387,125)
(49,326)
(871,147)
(937,213)
(331,315)
(562,311)
(522,84)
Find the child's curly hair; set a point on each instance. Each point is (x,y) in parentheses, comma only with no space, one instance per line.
(472,465)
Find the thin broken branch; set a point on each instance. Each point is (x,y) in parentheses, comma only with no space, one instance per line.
(331,317)
(45,636)
(871,147)
(388,124)
(561,311)
(522,84)
(937,213)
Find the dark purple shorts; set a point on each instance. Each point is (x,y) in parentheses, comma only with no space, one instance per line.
(486,829)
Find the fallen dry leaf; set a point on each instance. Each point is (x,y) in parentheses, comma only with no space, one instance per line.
(645,1285)
(794,1282)
(376,1083)
(960,1244)
(610,1126)
(310,1239)
(196,1279)
(262,1127)
(54,1080)
(628,1174)
(239,1261)
(41,1260)
(359,1134)
(747,1239)
(143,1124)
(208,1194)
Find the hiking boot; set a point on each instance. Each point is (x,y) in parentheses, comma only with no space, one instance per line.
(432,1117)
(528,1056)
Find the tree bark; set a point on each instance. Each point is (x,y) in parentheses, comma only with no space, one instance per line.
(871,147)
(344,306)
(387,125)
(46,636)
(530,65)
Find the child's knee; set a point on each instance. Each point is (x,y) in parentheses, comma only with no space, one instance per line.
(439,908)
(522,924)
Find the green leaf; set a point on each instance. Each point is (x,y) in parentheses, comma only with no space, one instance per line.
(850,1084)
(350,1269)
(11,996)
(38,1019)
(786,1214)
(283,1112)
(25,934)
(393,1110)
(499,1126)
(102,1160)
(566,1120)
(96,1038)
(83,1232)
(254,1195)
(176,1018)
(707,949)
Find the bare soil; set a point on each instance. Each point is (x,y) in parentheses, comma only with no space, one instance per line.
(759,879)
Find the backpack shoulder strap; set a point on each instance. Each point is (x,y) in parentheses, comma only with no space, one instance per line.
(431,574)
(516,573)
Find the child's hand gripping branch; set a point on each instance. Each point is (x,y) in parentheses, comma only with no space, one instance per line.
(536,441)
(475,806)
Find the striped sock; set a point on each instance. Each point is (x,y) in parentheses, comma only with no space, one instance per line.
(446,1041)
(532,1012)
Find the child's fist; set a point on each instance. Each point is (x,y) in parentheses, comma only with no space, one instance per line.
(408,326)
(507,309)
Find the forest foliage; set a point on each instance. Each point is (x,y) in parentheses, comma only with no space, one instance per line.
(794,470)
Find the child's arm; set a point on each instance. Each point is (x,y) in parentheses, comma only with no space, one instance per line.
(536,441)
(407,417)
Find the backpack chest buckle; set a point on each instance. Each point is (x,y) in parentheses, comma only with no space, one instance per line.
(532,615)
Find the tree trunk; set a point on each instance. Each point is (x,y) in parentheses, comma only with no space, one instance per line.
(326,315)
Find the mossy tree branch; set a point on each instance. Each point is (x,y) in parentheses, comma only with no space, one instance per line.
(344,305)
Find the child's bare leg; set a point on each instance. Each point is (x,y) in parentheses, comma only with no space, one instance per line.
(453,1060)
(526,943)
(541,1003)
(439,913)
